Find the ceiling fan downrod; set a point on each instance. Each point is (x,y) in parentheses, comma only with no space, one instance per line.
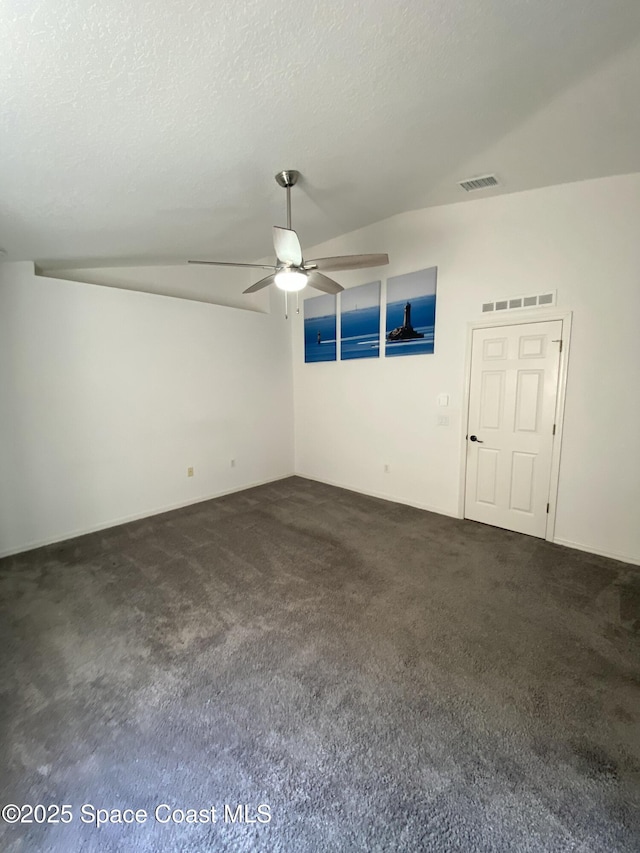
(288,178)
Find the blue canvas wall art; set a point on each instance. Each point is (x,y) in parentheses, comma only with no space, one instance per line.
(320,328)
(411,313)
(360,322)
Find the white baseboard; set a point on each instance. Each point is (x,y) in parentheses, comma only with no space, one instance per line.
(382,495)
(624,558)
(30,546)
(590,549)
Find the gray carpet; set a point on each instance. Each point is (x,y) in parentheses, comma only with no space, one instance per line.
(382,678)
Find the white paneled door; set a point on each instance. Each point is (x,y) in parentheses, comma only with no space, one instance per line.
(512,405)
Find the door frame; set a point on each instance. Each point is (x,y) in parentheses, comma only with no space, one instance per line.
(516,318)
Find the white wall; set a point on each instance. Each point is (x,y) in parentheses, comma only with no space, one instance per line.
(581,239)
(108,395)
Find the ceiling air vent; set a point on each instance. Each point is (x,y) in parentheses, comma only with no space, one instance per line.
(482,183)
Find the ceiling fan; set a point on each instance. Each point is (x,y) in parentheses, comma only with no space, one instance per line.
(291,272)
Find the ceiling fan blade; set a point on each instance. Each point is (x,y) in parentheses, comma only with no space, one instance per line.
(321,282)
(347,262)
(287,246)
(233,264)
(264,282)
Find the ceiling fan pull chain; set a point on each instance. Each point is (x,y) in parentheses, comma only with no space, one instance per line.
(286,306)
(297,302)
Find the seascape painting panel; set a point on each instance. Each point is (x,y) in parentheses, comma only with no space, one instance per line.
(320,328)
(360,322)
(411,313)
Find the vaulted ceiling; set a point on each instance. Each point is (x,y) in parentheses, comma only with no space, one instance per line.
(150,131)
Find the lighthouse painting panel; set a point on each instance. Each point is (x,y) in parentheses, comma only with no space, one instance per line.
(411,313)
(360,322)
(320,328)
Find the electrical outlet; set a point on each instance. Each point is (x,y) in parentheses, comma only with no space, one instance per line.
(189,471)
(443,420)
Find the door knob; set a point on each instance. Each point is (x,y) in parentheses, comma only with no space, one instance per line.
(475,438)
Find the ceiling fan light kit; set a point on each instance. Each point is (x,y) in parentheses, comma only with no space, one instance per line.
(291,280)
(292,273)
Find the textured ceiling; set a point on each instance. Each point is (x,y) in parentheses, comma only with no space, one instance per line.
(150,131)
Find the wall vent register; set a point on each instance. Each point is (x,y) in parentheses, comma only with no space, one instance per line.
(517,303)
